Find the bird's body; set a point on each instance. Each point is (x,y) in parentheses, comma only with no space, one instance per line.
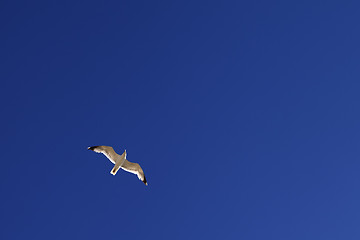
(120,161)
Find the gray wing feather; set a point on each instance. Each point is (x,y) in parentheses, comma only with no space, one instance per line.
(107,151)
(135,169)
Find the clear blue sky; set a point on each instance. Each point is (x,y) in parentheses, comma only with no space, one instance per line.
(244,116)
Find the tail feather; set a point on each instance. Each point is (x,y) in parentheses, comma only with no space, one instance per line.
(115,170)
(119,163)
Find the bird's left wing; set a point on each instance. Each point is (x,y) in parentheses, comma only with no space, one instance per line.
(107,151)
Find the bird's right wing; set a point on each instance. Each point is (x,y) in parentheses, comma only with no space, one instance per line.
(107,151)
(135,169)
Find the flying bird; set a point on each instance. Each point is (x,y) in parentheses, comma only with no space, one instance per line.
(120,161)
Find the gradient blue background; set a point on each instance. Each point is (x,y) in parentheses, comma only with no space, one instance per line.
(244,116)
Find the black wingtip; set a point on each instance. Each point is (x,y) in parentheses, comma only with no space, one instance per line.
(144,181)
(92,148)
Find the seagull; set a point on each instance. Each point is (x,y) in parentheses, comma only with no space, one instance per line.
(120,161)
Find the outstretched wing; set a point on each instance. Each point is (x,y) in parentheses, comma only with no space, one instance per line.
(107,151)
(135,169)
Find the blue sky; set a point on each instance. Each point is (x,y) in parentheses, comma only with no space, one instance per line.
(244,116)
